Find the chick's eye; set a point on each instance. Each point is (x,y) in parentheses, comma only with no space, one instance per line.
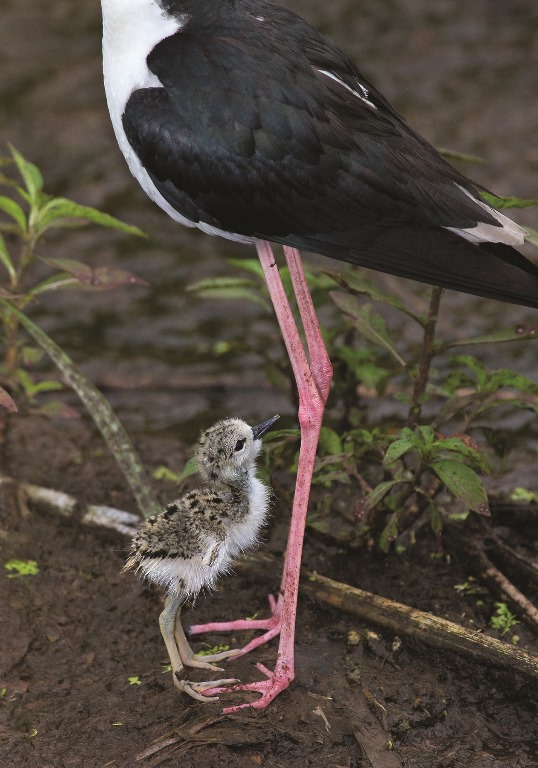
(240,445)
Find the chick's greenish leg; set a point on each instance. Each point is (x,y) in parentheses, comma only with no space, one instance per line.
(180,653)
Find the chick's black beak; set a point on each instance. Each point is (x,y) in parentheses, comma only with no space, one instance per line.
(261,429)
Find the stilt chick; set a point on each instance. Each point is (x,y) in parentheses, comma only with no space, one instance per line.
(197,537)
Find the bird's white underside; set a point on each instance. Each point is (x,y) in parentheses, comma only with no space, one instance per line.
(131,29)
(188,577)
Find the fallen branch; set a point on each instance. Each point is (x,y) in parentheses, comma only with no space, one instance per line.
(477,551)
(403,619)
(431,630)
(63,504)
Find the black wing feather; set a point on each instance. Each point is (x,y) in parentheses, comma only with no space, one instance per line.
(248,136)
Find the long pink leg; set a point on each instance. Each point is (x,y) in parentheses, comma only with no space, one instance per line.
(313,388)
(321,369)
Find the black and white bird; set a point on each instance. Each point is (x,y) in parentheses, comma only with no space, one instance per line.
(196,539)
(240,119)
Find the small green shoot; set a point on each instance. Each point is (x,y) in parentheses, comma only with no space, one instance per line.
(503,619)
(524,495)
(469,587)
(19,568)
(215,649)
(134,680)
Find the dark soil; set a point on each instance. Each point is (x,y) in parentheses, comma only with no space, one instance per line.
(76,632)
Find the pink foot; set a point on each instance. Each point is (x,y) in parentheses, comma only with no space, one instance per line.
(271,627)
(270,688)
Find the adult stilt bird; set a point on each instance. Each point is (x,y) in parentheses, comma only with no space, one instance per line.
(238,118)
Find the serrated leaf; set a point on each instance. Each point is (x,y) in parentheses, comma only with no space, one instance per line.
(6,401)
(372,326)
(14,211)
(58,209)
(463,483)
(510,201)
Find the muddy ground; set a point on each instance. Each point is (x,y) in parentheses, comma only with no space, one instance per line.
(73,634)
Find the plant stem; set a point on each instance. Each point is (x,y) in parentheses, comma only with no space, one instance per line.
(101,412)
(426,357)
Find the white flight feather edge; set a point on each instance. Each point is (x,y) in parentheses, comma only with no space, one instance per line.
(508,233)
(362,95)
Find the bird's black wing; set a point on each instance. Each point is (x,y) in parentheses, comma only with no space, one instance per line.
(267,130)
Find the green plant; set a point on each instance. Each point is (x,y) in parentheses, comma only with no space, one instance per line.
(29,214)
(401,468)
(503,619)
(18,568)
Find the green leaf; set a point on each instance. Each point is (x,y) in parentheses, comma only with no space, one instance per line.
(524,495)
(500,201)
(389,533)
(5,258)
(401,446)
(30,173)
(506,378)
(58,210)
(427,435)
(229,288)
(59,282)
(520,332)
(14,211)
(32,388)
(6,401)
(19,568)
(463,483)
(372,326)
(102,278)
(101,412)
(330,442)
(451,154)
(164,473)
(190,468)
(249,265)
(456,445)
(379,492)
(353,281)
